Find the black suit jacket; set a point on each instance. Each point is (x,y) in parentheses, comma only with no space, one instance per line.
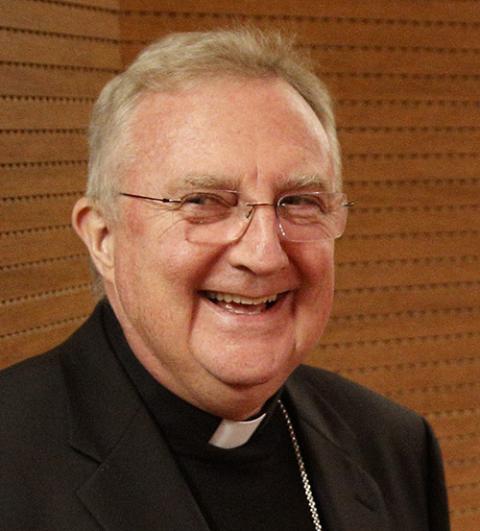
(79,451)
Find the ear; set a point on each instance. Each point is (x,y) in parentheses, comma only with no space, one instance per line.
(96,231)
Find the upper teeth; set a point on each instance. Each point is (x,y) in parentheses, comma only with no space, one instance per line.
(228,297)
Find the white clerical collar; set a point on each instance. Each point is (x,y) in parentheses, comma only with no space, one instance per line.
(231,433)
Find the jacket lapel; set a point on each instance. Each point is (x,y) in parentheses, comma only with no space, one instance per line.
(348,497)
(139,486)
(134,481)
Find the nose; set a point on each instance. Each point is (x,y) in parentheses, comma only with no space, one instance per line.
(259,248)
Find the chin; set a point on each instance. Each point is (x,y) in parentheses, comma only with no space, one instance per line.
(245,380)
(267,375)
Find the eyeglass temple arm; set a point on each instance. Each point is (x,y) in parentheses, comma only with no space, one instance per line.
(159,199)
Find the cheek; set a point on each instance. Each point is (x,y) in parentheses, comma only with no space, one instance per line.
(154,259)
(316,297)
(155,284)
(316,266)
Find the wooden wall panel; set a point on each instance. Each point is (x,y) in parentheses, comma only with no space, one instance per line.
(24,247)
(54,81)
(44,113)
(54,59)
(398,112)
(24,46)
(33,179)
(68,18)
(411,166)
(62,304)
(403,298)
(409,139)
(35,278)
(401,352)
(375,24)
(414,246)
(24,213)
(405,78)
(422,14)
(43,146)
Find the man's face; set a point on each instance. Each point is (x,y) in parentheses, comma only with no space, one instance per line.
(187,308)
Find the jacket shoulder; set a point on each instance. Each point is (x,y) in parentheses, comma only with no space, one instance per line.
(365,411)
(36,389)
(28,381)
(393,444)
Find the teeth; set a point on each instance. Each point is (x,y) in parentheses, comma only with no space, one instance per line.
(228,297)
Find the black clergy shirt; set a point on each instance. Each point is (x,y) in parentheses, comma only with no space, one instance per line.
(256,486)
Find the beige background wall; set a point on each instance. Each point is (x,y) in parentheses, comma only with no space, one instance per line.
(405,76)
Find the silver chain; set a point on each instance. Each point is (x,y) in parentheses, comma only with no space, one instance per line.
(303,472)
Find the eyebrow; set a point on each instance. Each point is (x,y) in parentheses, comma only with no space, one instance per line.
(209,181)
(227,182)
(306,181)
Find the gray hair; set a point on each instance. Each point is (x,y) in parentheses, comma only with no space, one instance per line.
(182,59)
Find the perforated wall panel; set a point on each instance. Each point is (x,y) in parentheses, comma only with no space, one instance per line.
(54,58)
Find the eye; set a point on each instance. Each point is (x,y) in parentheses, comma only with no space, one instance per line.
(199,199)
(210,200)
(304,202)
(207,207)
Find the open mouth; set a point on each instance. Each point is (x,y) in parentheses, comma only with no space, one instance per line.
(241,305)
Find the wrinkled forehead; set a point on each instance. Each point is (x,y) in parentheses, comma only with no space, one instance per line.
(218,132)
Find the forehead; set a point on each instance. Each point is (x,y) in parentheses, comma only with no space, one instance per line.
(229,130)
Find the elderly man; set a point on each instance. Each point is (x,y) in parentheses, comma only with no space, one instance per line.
(213,203)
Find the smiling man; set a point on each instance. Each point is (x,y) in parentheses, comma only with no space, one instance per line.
(213,203)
